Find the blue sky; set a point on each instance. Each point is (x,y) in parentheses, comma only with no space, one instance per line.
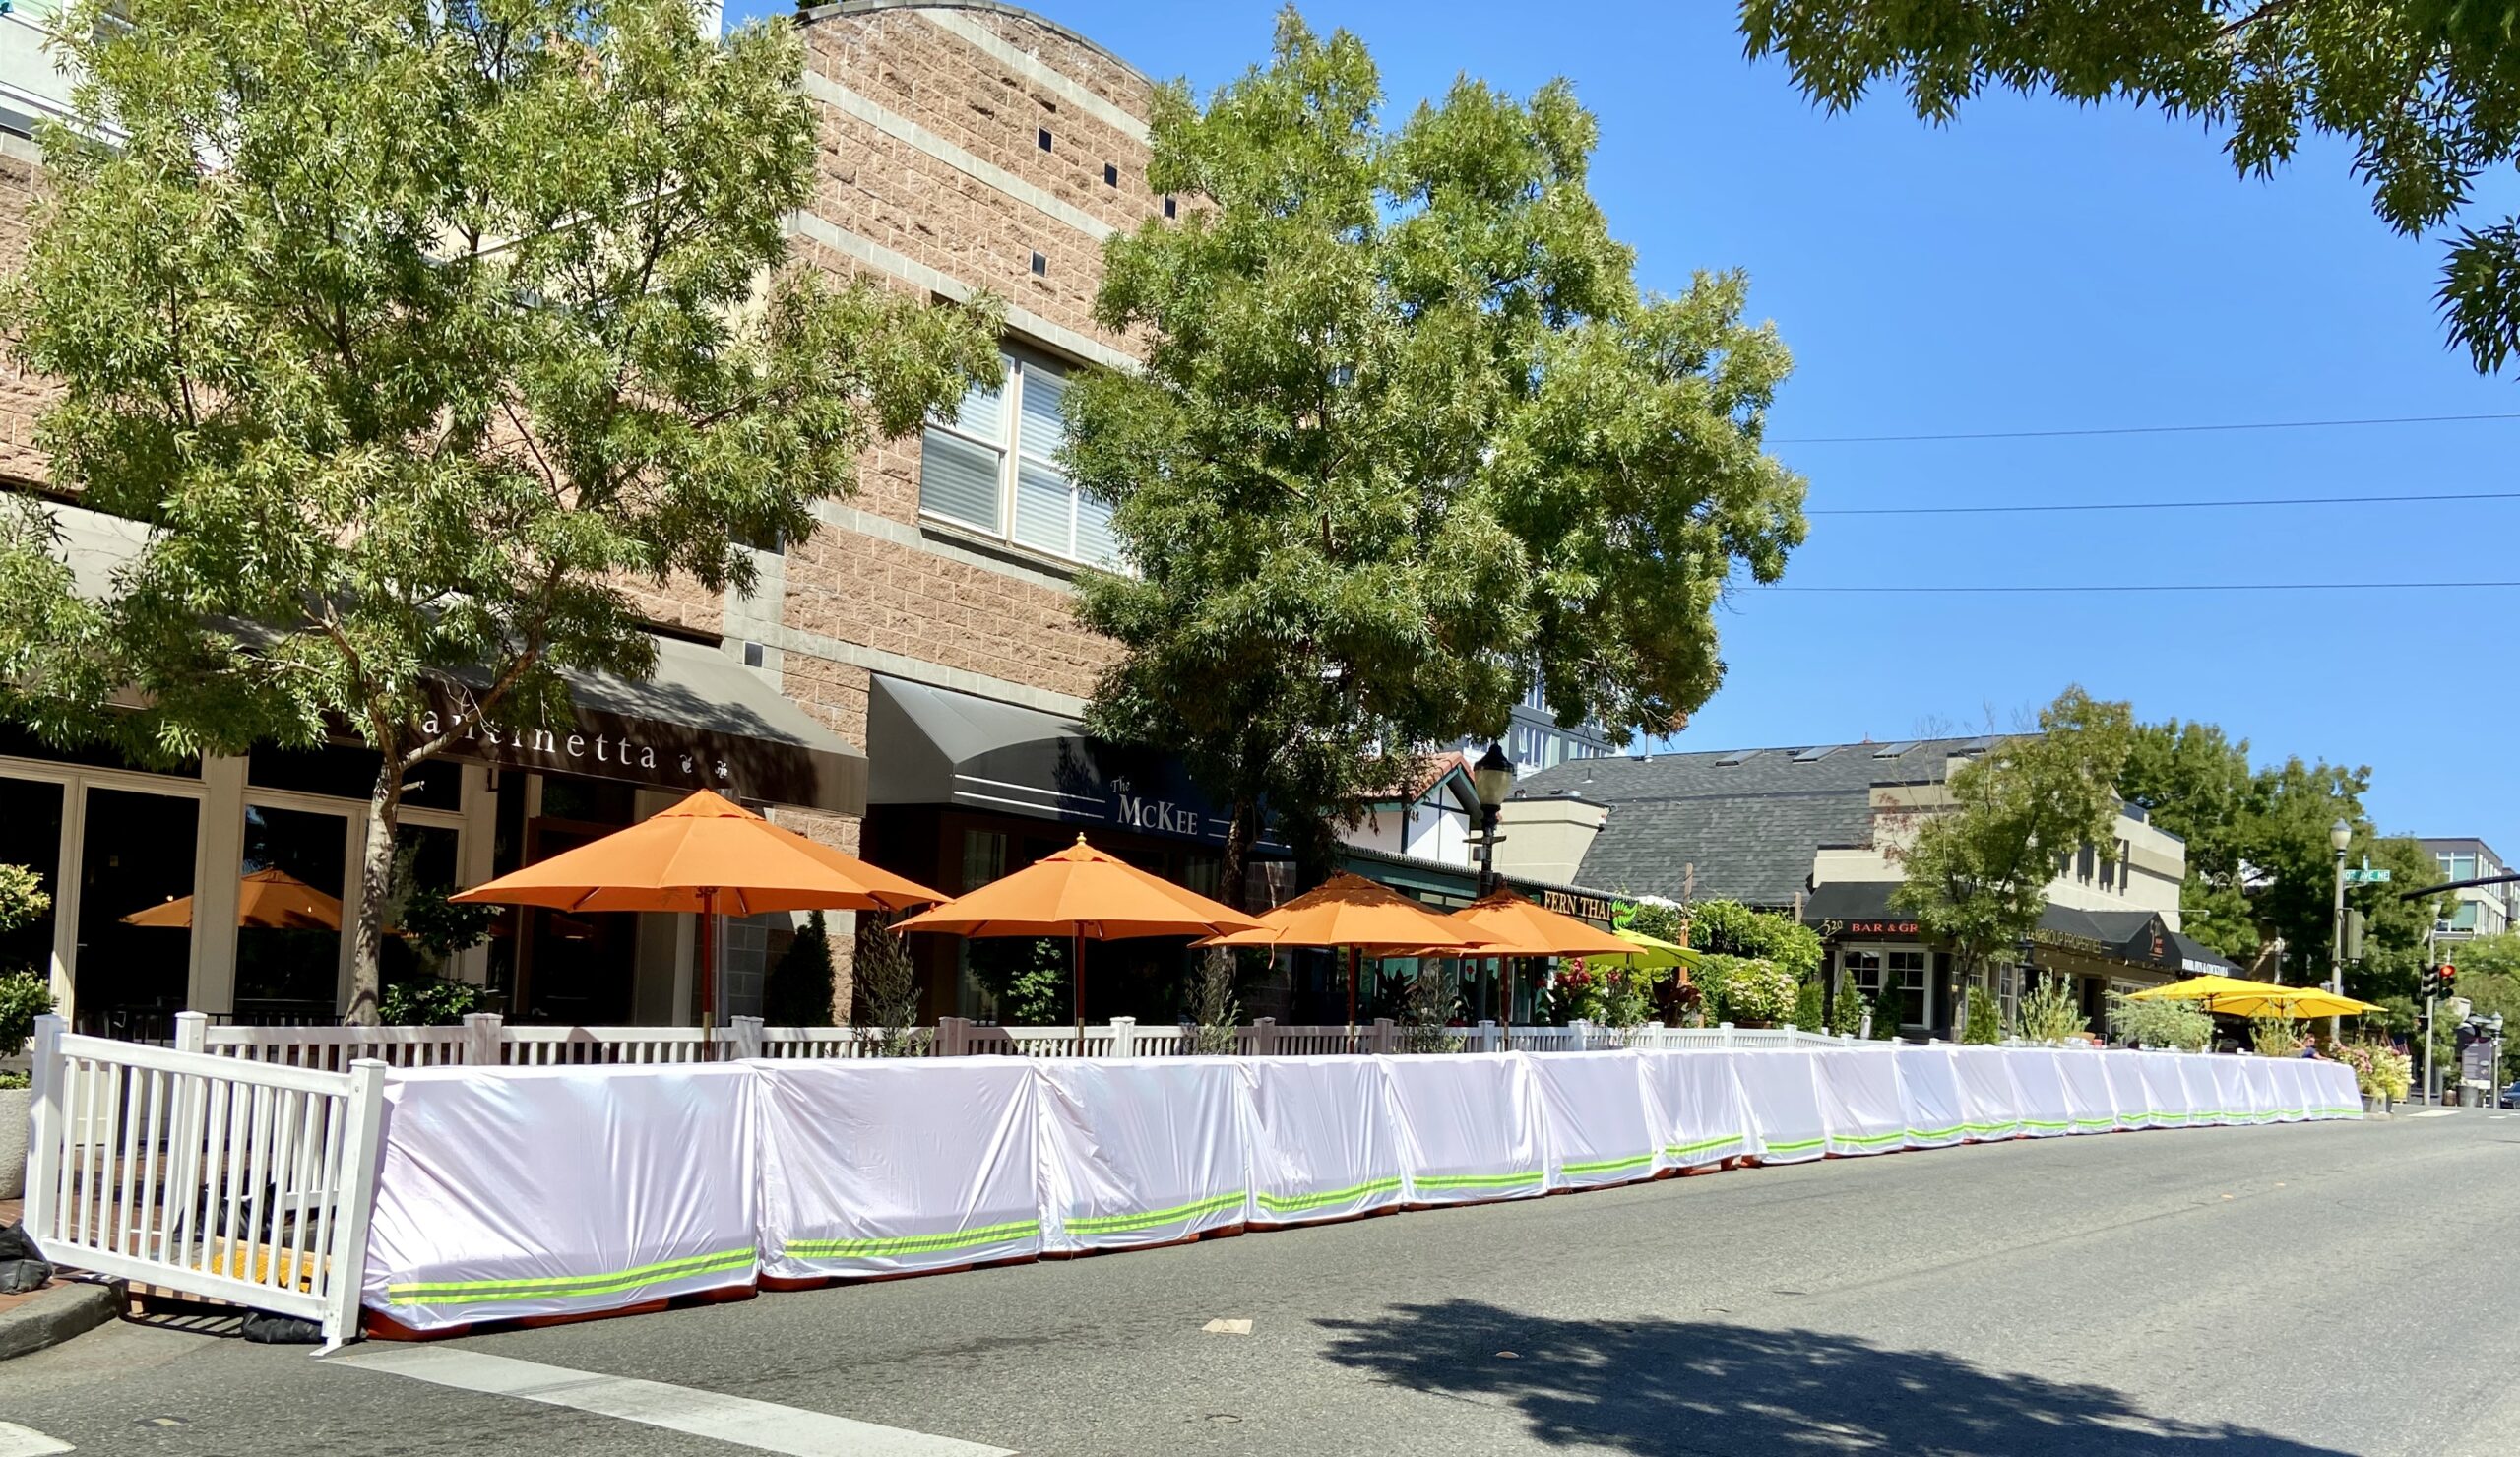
(2036,265)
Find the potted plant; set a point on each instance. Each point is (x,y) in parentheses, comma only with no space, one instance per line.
(25,995)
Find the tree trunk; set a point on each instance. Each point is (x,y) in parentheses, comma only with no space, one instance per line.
(1241,833)
(376,884)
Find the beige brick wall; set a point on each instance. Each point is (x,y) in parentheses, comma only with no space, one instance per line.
(23,396)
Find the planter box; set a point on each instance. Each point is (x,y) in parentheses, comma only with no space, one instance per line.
(17,1111)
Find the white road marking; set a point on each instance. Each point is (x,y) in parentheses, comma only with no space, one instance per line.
(764,1426)
(2435,1113)
(25,1441)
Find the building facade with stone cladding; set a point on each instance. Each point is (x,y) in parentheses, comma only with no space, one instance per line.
(965,148)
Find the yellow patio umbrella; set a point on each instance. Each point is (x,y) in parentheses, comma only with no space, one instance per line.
(2199,989)
(1652,953)
(2291,1002)
(1515,925)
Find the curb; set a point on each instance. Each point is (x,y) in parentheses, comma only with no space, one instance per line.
(57,1315)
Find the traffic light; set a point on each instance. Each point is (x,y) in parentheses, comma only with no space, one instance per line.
(2449,978)
(2352,935)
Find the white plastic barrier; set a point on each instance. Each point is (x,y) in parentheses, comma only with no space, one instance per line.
(2045,1109)
(1860,1101)
(1701,1115)
(888,1165)
(2165,1100)
(1929,1097)
(2090,1106)
(1990,1096)
(1323,1143)
(512,1192)
(1141,1152)
(1470,1126)
(2127,1090)
(1600,1130)
(1784,1093)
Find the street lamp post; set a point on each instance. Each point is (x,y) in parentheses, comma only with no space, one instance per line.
(1492,776)
(2339,836)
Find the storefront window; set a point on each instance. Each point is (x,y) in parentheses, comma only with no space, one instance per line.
(289,912)
(349,772)
(983,857)
(31,836)
(138,857)
(424,859)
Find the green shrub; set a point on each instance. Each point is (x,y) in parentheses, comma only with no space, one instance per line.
(24,996)
(1751,989)
(23,901)
(1426,1006)
(1735,929)
(2049,1013)
(1845,1014)
(427,1001)
(884,1000)
(2160,1024)
(1983,1026)
(1810,1007)
(1214,1015)
(2275,1037)
(1889,1008)
(2380,1071)
(800,986)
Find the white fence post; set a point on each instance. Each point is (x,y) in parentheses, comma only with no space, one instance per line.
(1124,1037)
(481,1035)
(192,1031)
(1488,1034)
(361,1147)
(1725,1029)
(953,1036)
(1386,1035)
(1580,1033)
(745,1034)
(1264,1036)
(44,1165)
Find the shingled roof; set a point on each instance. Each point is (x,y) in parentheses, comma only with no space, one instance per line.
(1748,820)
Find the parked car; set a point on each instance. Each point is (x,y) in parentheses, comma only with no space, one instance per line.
(2511,1095)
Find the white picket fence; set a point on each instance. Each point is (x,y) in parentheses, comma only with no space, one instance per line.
(486,1040)
(241,1179)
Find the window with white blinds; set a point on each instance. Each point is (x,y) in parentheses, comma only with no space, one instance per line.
(995,468)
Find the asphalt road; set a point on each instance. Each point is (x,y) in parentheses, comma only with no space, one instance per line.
(2300,1289)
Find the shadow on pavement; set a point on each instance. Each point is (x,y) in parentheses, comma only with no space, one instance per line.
(1682,1386)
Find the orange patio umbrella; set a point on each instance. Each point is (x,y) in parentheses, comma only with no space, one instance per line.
(271,900)
(709,856)
(1515,925)
(1082,894)
(1355,913)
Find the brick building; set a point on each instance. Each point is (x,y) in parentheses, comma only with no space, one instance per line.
(917,653)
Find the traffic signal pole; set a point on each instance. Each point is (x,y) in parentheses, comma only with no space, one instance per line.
(2431,1093)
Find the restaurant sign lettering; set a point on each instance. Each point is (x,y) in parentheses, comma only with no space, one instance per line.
(1598,909)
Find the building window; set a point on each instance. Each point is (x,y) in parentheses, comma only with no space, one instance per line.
(1169,206)
(1044,138)
(1041,267)
(2458,866)
(1110,175)
(995,467)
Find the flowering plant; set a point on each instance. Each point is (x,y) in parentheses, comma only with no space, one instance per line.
(2380,1071)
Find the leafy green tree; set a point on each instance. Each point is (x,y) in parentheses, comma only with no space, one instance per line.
(1407,434)
(2489,978)
(2423,92)
(2196,783)
(1732,928)
(419,335)
(2259,862)
(1977,875)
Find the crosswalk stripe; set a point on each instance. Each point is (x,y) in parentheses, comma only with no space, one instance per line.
(764,1426)
(25,1441)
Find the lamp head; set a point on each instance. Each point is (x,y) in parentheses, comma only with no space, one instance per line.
(2339,836)
(1492,776)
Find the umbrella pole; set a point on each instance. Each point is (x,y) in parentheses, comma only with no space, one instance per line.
(1351,995)
(1076,974)
(708,975)
(1504,1003)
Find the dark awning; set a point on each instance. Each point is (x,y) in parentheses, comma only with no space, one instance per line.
(931,745)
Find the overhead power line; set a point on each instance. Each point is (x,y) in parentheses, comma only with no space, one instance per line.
(2402,419)
(2480,495)
(2051,588)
